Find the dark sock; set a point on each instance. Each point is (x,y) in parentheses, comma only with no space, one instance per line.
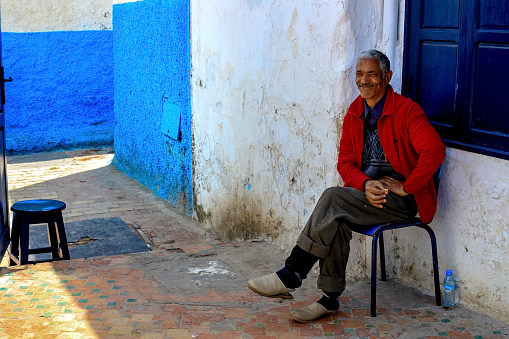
(289,278)
(300,261)
(330,301)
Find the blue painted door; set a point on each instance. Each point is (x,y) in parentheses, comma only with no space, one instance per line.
(456,56)
(4,202)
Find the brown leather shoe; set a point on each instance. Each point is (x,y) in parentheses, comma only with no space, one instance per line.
(270,286)
(310,313)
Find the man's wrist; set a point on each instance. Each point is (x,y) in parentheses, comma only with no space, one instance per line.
(365,182)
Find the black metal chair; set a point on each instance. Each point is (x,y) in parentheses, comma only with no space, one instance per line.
(376,232)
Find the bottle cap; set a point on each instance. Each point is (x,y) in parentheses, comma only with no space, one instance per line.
(448,272)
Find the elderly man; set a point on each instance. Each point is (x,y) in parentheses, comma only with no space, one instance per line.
(387,157)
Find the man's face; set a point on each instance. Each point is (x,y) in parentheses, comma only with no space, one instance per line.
(370,80)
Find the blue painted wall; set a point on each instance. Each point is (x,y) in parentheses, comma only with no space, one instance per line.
(153,62)
(62,90)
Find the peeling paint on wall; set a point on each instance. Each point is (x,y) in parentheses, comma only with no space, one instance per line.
(268,103)
(267,109)
(471,229)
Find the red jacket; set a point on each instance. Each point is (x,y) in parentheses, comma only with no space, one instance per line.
(411,145)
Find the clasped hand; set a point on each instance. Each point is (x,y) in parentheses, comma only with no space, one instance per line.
(377,190)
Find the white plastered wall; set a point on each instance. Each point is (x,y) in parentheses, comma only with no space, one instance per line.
(56,15)
(472,234)
(271,82)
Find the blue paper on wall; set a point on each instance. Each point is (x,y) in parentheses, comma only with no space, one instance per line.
(170,122)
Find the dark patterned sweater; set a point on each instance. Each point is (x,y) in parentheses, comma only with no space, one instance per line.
(374,162)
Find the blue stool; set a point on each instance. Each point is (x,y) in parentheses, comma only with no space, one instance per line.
(30,212)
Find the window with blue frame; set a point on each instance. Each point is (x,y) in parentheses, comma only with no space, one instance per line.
(456,63)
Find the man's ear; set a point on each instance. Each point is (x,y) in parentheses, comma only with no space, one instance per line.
(388,77)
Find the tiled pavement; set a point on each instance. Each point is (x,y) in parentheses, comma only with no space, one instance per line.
(191,285)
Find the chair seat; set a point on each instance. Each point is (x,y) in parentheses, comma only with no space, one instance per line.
(375,229)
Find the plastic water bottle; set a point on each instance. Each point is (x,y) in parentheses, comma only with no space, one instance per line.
(448,290)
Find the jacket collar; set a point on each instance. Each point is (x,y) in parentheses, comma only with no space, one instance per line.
(357,106)
(377,110)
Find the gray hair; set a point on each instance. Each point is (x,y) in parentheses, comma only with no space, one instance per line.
(383,60)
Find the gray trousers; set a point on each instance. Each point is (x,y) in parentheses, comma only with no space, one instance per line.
(328,232)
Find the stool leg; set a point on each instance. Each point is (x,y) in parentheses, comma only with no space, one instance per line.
(15,234)
(24,240)
(62,238)
(53,240)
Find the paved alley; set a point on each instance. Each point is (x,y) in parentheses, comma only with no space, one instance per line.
(190,284)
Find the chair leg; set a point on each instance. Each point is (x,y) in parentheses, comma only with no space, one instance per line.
(373,275)
(382,256)
(436,273)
